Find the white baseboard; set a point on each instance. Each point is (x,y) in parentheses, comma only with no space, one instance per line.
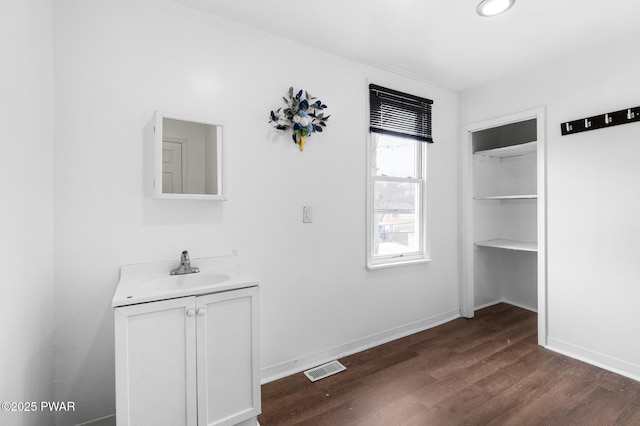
(111,421)
(519,305)
(615,365)
(486,305)
(287,368)
(102,421)
(508,302)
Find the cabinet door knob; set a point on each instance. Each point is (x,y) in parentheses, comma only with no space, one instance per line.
(191,312)
(201,311)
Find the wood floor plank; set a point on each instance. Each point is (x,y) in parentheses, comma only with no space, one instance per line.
(601,407)
(629,416)
(405,411)
(546,410)
(487,370)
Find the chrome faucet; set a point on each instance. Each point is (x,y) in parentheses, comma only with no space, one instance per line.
(185,266)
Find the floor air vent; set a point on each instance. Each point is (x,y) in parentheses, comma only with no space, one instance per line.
(324,370)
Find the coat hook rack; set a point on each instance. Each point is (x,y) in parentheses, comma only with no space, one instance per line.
(624,116)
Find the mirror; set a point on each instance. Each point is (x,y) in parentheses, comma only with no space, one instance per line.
(188,159)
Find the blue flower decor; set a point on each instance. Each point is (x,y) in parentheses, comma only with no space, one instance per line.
(303,114)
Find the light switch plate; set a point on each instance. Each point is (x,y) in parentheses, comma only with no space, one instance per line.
(307,214)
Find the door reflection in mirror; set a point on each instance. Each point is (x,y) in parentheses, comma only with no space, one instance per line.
(190,162)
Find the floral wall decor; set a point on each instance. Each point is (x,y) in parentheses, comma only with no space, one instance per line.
(303,115)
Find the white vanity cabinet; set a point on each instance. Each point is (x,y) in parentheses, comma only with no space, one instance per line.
(189,360)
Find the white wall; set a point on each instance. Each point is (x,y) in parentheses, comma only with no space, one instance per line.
(117,62)
(26,225)
(593,204)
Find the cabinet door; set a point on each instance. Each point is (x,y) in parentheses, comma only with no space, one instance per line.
(228,357)
(156,363)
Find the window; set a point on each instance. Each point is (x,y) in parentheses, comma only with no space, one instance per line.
(400,124)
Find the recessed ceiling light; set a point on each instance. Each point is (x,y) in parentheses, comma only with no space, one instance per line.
(494,7)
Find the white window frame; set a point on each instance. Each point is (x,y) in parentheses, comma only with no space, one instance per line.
(423,253)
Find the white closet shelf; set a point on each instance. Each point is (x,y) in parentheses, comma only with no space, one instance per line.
(509,197)
(510,151)
(510,245)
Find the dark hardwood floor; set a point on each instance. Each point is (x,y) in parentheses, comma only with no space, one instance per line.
(483,371)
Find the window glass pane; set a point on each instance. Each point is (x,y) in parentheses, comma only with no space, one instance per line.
(395,218)
(394,156)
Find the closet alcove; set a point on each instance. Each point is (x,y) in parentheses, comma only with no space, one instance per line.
(503,220)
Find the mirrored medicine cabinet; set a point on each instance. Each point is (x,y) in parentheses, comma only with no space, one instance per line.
(188,158)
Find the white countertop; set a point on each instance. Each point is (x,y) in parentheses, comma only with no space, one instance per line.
(151,281)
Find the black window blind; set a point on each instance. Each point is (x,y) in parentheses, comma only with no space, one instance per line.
(399,114)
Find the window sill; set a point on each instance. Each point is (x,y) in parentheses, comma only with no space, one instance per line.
(376,266)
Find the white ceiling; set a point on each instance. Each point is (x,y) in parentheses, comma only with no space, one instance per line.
(442,42)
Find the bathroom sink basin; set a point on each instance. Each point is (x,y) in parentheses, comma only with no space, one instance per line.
(176,282)
(152,282)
